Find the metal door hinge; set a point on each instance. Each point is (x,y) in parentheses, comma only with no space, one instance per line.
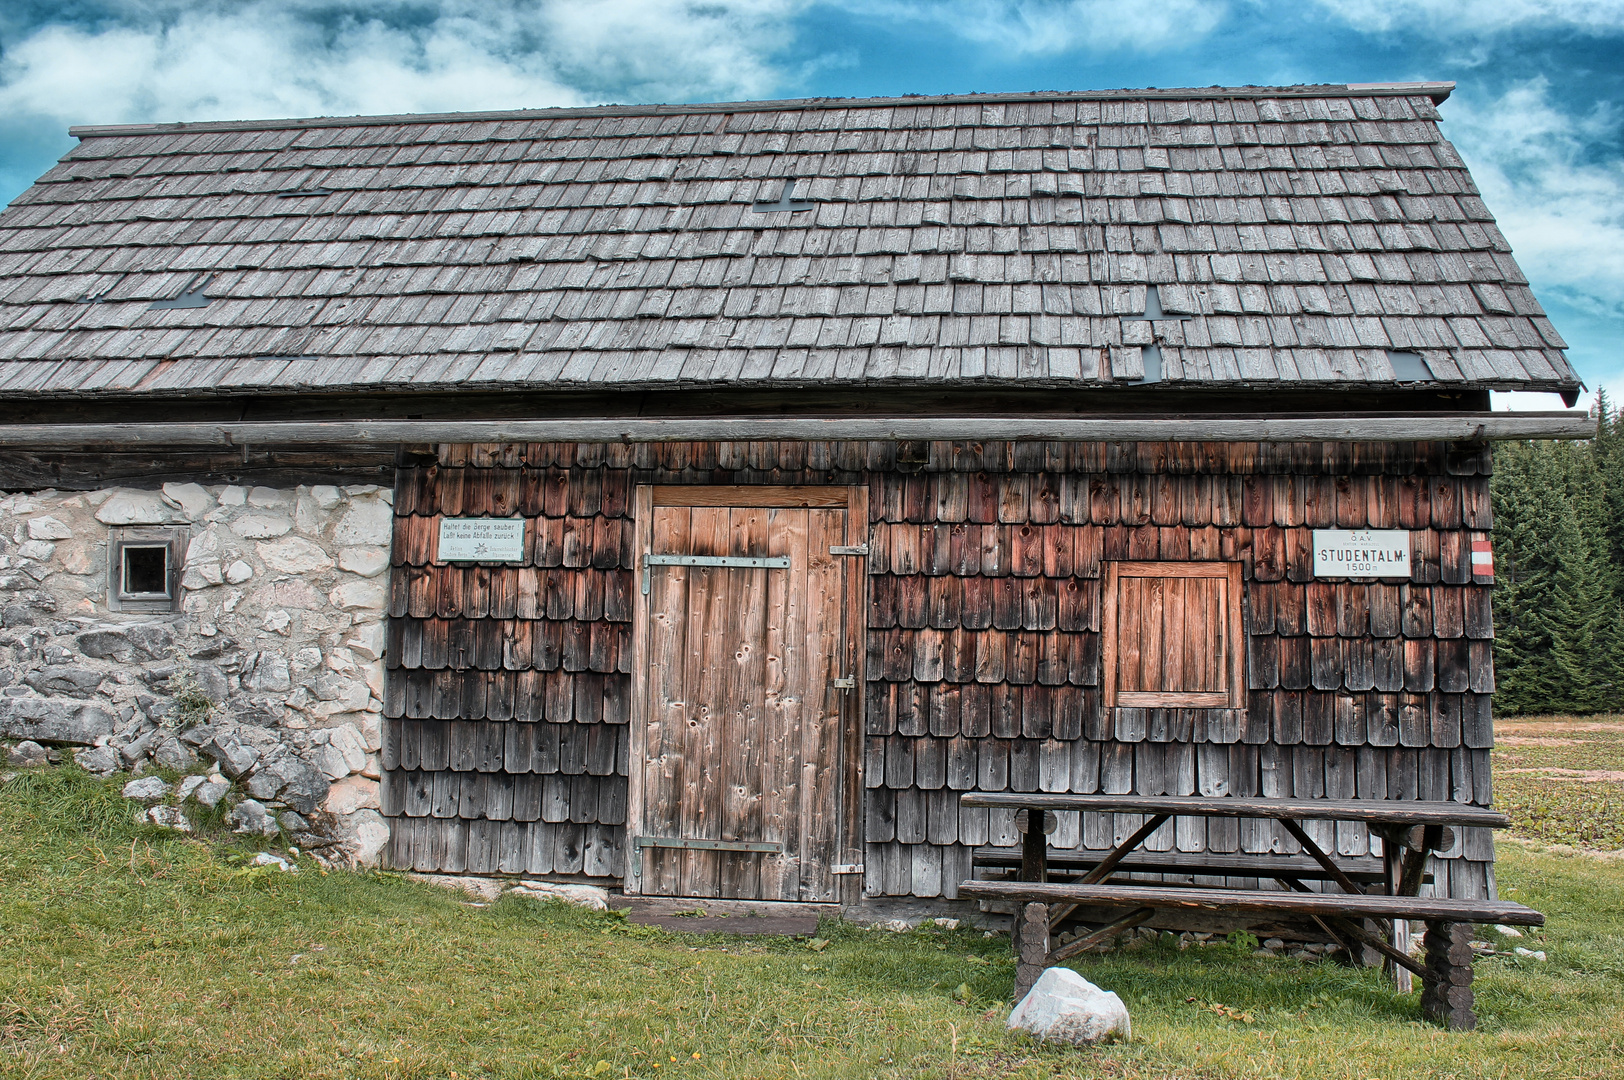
(753,562)
(847,683)
(697,844)
(847,868)
(848,549)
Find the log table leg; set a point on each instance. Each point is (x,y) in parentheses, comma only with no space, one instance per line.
(1031,946)
(1446,988)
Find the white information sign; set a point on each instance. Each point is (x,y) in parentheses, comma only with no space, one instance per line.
(1361,553)
(481,539)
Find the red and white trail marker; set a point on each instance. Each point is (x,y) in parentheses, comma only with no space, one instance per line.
(1482,559)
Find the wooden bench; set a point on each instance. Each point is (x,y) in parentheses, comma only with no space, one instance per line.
(1446,972)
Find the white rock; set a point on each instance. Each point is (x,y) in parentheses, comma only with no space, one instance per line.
(1508,931)
(371,834)
(1065,1007)
(1529,954)
(347,740)
(366,561)
(341,660)
(79,560)
(266,859)
(365,595)
(263,497)
(129,507)
(190,499)
(233,496)
(352,793)
(327,496)
(371,728)
(307,516)
(368,641)
(211,792)
(169,817)
(250,816)
(276,621)
(239,572)
(947,924)
(36,549)
(48,528)
(146,789)
(895,926)
(261,526)
(293,555)
(587,896)
(184,789)
(306,658)
(330,760)
(368,522)
(201,575)
(480,888)
(204,546)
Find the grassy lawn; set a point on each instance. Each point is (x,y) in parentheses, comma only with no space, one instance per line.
(129,952)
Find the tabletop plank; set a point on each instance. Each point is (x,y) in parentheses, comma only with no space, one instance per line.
(1388,811)
(1238,901)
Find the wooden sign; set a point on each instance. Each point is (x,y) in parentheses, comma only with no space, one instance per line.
(481,540)
(1362,553)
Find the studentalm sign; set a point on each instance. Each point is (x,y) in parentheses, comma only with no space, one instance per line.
(1362,553)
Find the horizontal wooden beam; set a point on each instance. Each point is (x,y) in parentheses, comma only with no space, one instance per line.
(1403,811)
(1236,901)
(748,428)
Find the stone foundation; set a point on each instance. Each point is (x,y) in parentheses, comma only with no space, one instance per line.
(271,668)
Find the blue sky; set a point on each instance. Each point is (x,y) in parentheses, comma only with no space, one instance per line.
(1539,113)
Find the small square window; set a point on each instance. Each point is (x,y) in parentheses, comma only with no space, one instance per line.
(145,573)
(1172,635)
(143,569)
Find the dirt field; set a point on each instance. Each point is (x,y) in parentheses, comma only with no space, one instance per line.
(1561,778)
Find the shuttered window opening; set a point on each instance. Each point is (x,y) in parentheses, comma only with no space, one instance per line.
(1172,635)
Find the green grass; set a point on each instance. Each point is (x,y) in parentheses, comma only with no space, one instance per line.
(127,952)
(1561,778)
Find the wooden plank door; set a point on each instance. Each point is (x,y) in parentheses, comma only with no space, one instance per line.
(739,750)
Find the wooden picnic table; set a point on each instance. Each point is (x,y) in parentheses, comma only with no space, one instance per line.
(1410,830)
(1414,826)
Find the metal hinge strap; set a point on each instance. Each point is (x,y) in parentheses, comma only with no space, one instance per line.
(691,844)
(752,562)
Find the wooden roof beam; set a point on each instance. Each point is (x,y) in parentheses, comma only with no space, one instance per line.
(1494,426)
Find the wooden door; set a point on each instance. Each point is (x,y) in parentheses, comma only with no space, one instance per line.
(748,689)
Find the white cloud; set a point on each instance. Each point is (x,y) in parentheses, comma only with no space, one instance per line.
(1471,18)
(266,58)
(1559,201)
(1051,27)
(1555,182)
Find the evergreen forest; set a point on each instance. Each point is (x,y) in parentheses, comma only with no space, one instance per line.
(1559,572)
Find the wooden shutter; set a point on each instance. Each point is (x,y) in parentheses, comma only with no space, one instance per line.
(1173,635)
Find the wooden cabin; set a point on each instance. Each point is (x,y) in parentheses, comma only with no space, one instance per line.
(768,474)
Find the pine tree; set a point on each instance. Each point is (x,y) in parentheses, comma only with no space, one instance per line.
(1559,600)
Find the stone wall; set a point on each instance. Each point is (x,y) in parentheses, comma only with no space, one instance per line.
(270,673)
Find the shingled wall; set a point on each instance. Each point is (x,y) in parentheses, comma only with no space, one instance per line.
(509,688)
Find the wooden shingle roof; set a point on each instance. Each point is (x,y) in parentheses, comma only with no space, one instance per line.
(1308,233)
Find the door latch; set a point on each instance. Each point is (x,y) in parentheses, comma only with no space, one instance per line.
(848,549)
(847,683)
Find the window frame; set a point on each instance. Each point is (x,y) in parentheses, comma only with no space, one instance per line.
(1234,697)
(173,540)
